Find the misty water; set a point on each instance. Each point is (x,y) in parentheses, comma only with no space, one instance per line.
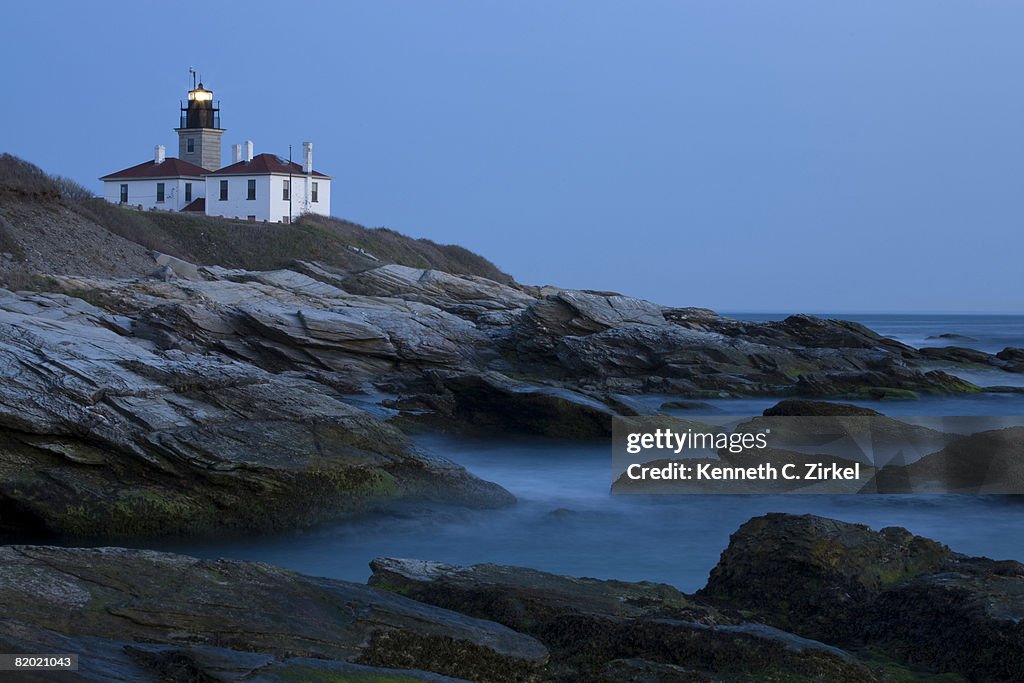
(567,521)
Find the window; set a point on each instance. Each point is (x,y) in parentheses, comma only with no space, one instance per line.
(188,192)
(124,193)
(223,190)
(190,145)
(159,193)
(287,193)
(314,193)
(252,219)
(252,189)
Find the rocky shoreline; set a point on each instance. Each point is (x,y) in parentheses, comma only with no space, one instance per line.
(214,401)
(208,401)
(793,598)
(235,383)
(103,434)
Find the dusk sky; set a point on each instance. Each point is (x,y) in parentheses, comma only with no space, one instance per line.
(745,156)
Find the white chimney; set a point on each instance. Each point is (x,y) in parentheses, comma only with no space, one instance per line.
(307,157)
(159,154)
(236,153)
(247,149)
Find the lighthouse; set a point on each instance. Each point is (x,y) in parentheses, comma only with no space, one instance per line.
(254,187)
(199,133)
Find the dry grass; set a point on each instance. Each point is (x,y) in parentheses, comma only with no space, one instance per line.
(17,279)
(239,244)
(208,240)
(21,178)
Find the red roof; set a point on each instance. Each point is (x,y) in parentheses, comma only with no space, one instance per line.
(196,205)
(265,164)
(171,168)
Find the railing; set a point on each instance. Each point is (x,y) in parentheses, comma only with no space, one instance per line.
(200,117)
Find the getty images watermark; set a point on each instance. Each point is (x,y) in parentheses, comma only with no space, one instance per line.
(835,454)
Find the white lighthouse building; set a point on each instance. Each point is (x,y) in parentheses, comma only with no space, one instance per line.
(264,187)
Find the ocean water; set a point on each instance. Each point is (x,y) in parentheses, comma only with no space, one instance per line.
(989,333)
(566,520)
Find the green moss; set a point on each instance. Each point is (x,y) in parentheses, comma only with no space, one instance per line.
(891,671)
(884,394)
(355,481)
(402,589)
(75,520)
(96,297)
(134,512)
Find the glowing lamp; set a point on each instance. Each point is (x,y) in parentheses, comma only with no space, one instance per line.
(200,95)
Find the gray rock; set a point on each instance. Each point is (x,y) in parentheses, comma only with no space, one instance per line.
(590,626)
(107,434)
(491,403)
(989,462)
(390,325)
(177,267)
(206,403)
(467,296)
(908,596)
(142,615)
(1013,359)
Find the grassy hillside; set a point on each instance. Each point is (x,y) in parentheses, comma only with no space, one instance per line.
(26,192)
(43,231)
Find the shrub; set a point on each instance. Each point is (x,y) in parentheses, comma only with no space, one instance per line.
(72,190)
(17,279)
(21,177)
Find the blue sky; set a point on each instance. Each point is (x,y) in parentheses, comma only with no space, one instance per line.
(782,156)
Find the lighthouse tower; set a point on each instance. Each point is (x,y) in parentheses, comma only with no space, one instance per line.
(200,132)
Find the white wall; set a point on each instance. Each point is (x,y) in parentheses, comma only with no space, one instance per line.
(237,205)
(270,204)
(142,191)
(301,202)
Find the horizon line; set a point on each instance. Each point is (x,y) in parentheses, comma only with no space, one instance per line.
(867,312)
